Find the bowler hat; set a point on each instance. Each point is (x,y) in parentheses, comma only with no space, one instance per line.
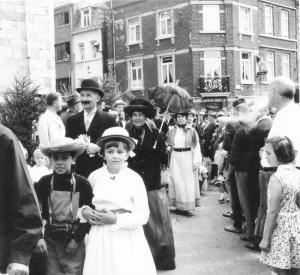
(116,133)
(63,145)
(140,105)
(90,84)
(72,100)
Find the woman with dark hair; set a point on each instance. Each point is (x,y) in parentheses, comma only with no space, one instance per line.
(150,155)
(183,143)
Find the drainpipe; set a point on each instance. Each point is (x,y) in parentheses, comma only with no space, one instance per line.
(28,35)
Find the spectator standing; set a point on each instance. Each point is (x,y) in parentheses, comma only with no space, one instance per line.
(50,125)
(20,221)
(118,106)
(91,123)
(39,169)
(74,107)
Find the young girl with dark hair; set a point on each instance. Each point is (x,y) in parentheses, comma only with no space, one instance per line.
(281,239)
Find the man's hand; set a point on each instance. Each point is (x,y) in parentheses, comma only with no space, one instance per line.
(17,269)
(41,247)
(72,247)
(92,148)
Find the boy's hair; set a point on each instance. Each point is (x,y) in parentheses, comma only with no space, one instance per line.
(114,143)
(37,152)
(283,148)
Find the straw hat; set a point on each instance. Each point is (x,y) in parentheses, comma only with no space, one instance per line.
(119,102)
(116,132)
(63,145)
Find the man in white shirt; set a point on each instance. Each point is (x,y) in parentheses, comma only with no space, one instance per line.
(50,125)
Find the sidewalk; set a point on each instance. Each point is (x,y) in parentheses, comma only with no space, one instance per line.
(204,248)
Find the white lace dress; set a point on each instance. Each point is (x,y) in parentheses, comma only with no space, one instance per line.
(121,248)
(285,240)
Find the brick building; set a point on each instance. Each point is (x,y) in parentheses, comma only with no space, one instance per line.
(211,47)
(78,43)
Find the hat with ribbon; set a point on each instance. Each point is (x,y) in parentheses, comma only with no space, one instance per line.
(119,102)
(140,105)
(116,133)
(90,84)
(72,100)
(63,145)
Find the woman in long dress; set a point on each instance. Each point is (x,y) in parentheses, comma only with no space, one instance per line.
(116,244)
(183,143)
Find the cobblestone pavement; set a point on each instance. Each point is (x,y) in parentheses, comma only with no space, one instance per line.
(204,248)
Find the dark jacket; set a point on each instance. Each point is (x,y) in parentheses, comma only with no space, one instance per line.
(230,129)
(63,184)
(64,116)
(207,136)
(20,221)
(239,156)
(147,161)
(75,127)
(258,136)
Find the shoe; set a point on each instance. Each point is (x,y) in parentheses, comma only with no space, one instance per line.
(221,200)
(247,239)
(228,214)
(252,246)
(231,228)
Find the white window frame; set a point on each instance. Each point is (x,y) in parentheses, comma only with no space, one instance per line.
(269,23)
(285,63)
(167,65)
(242,21)
(250,67)
(132,85)
(284,24)
(270,63)
(85,17)
(159,24)
(133,28)
(81,52)
(209,62)
(211,12)
(94,53)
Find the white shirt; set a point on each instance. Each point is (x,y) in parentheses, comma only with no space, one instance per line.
(88,117)
(286,123)
(37,172)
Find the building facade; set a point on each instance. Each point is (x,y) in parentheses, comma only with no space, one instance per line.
(216,49)
(78,44)
(26,42)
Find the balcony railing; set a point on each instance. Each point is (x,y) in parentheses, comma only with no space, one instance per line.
(213,85)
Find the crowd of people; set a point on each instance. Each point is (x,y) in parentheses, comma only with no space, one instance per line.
(97,177)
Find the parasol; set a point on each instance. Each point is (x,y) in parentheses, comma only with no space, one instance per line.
(171,97)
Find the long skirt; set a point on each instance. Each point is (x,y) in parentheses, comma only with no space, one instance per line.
(122,251)
(158,230)
(185,192)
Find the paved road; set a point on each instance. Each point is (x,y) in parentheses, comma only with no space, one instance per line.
(204,248)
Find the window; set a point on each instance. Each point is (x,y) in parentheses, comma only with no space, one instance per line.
(85,18)
(246,67)
(269,20)
(245,20)
(94,52)
(62,51)
(285,65)
(134,30)
(270,65)
(212,63)
(81,52)
(61,19)
(136,74)
(62,85)
(211,18)
(284,24)
(166,24)
(167,69)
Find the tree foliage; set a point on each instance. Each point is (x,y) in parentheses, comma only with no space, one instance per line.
(111,88)
(21,107)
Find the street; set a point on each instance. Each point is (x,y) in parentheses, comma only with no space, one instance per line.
(204,248)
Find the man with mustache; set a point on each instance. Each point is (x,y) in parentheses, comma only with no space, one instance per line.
(90,122)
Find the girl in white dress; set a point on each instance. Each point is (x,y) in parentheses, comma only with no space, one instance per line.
(116,244)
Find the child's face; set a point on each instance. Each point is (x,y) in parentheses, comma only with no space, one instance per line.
(61,163)
(39,159)
(270,155)
(115,157)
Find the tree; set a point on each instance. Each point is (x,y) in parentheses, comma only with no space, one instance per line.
(111,88)
(22,107)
